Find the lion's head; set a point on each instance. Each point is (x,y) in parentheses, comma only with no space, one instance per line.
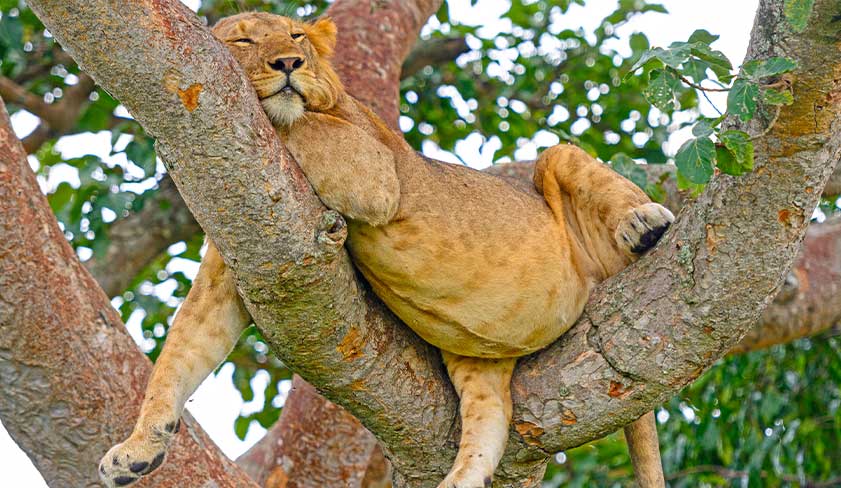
(286,60)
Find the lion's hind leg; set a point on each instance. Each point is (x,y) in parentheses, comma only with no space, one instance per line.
(603,197)
(483,387)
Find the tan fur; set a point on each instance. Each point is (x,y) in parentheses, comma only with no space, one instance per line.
(483,270)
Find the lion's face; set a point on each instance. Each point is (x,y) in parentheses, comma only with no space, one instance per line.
(286,60)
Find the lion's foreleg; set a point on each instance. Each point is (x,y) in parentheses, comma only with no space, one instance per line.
(352,172)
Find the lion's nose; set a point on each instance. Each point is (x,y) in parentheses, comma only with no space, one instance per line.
(286,65)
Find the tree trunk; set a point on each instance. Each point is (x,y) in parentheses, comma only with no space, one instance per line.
(645,333)
(72,378)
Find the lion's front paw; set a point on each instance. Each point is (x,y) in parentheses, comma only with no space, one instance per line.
(138,456)
(641,228)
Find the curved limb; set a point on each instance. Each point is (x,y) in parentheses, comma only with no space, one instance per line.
(644,447)
(352,172)
(614,220)
(205,330)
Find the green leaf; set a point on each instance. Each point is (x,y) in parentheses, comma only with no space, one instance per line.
(726,161)
(764,68)
(241,425)
(702,129)
(716,58)
(695,158)
(703,37)
(777,97)
(797,13)
(741,101)
(627,167)
(677,54)
(684,184)
(740,145)
(661,88)
(639,42)
(61,196)
(696,69)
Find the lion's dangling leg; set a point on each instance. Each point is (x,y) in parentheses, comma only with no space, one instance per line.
(644,446)
(205,330)
(483,387)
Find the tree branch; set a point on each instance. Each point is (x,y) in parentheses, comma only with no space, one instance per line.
(433,52)
(70,374)
(618,362)
(320,445)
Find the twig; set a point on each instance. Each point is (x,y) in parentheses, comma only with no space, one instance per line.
(699,87)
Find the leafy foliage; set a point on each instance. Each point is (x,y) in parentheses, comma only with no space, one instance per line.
(515,91)
(769,418)
(671,70)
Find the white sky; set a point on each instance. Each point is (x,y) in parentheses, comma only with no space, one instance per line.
(216,404)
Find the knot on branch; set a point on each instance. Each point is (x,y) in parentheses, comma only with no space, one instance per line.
(332,231)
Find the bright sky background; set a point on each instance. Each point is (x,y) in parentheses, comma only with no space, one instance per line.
(216,404)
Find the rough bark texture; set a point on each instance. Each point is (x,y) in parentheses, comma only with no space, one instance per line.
(71,376)
(808,301)
(644,335)
(433,52)
(315,433)
(335,440)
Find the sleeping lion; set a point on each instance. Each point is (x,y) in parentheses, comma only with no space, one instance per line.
(480,269)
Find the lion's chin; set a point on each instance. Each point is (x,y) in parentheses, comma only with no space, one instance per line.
(283,108)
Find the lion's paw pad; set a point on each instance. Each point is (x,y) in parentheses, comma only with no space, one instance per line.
(127,462)
(641,228)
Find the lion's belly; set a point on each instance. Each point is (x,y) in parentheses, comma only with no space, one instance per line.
(492,289)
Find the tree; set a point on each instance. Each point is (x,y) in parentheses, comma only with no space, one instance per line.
(162,97)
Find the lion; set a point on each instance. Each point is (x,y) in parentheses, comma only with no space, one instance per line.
(479,268)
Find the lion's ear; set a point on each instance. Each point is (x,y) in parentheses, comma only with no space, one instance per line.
(322,35)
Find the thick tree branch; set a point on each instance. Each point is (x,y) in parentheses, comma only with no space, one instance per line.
(70,374)
(706,282)
(374,52)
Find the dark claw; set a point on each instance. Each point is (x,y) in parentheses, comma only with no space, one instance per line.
(138,467)
(173,427)
(155,463)
(124,480)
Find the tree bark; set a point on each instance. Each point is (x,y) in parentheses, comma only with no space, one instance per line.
(645,334)
(319,444)
(72,378)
